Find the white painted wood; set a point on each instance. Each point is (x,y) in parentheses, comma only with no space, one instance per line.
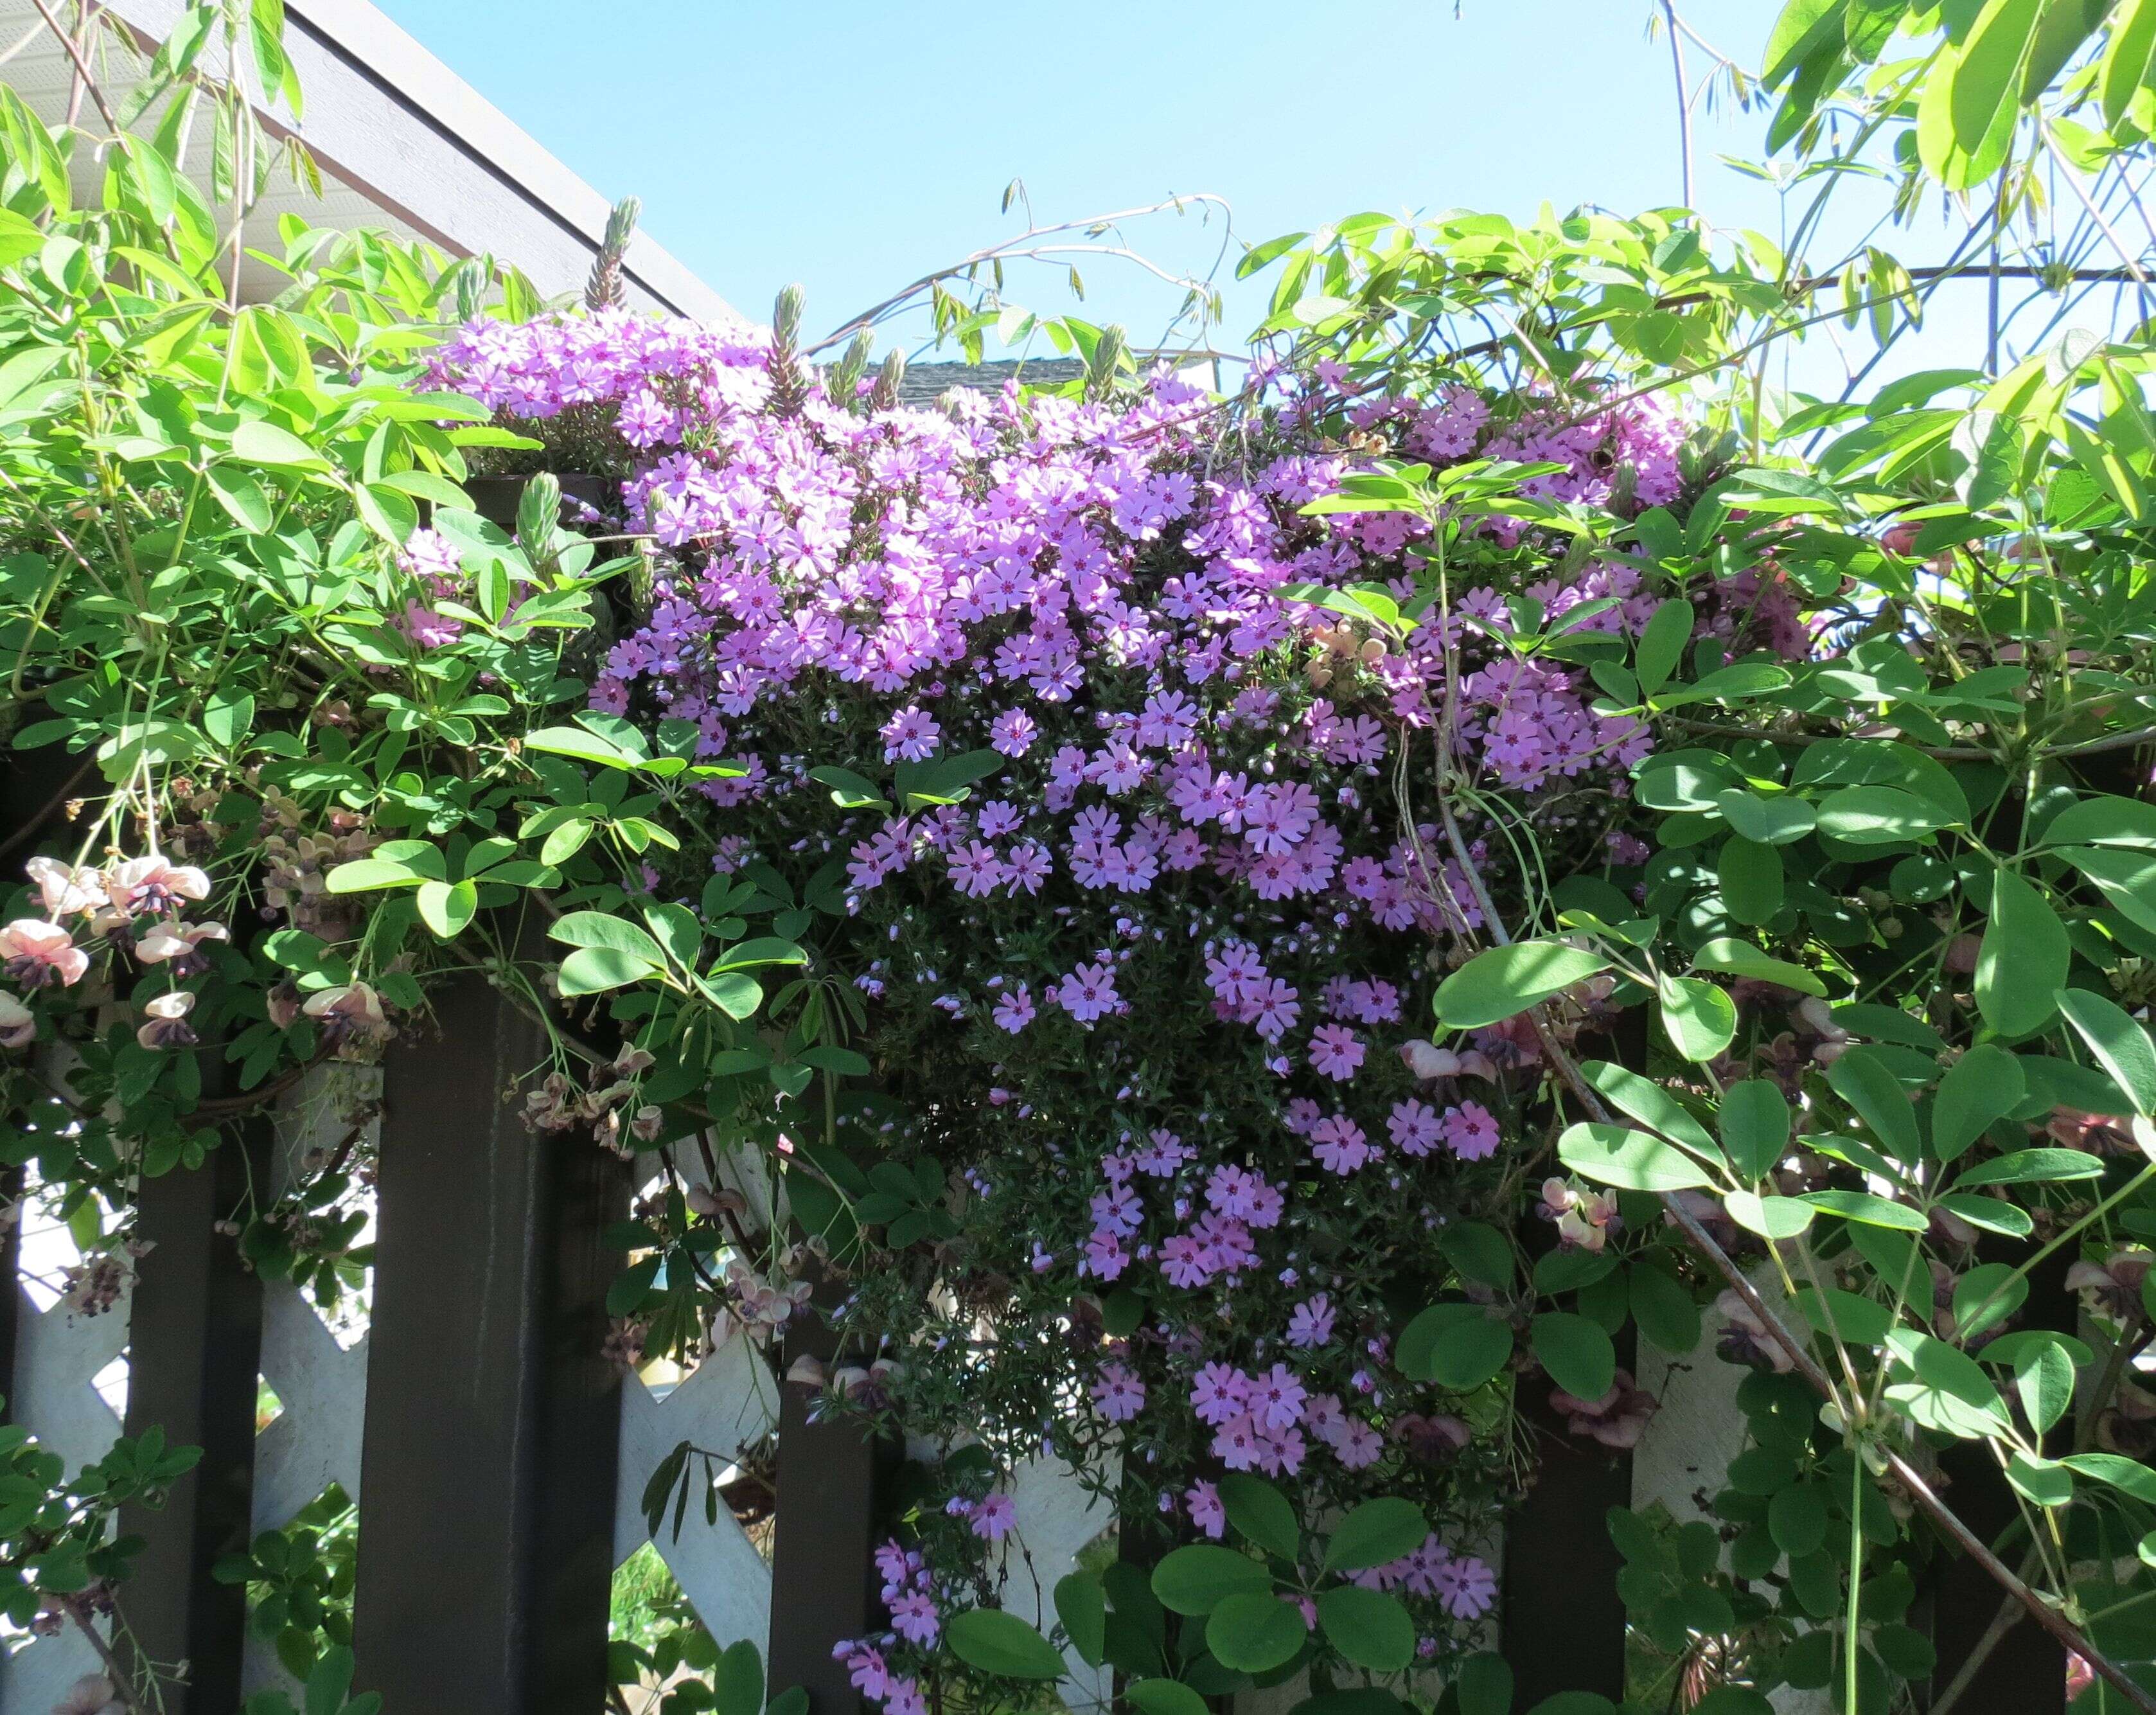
(315,1439)
(57,1356)
(1057,1516)
(728,1402)
(1683,1458)
(403,143)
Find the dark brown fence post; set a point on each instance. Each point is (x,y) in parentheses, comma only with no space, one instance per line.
(487,1469)
(831,1480)
(194,1334)
(1561,1622)
(2026,1672)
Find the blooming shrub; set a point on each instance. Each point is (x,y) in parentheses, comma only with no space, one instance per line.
(1035,692)
(1241,944)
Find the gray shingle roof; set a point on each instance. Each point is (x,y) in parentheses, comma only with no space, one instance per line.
(924,383)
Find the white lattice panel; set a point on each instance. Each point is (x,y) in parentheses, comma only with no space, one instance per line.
(57,1357)
(1055,1516)
(320,1384)
(728,1402)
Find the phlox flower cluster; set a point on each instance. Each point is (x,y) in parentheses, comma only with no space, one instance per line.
(1142,922)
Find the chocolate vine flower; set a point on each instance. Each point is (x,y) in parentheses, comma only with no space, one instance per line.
(2114,1286)
(1617,1419)
(40,955)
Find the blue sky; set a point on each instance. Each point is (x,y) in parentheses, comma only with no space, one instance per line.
(852,146)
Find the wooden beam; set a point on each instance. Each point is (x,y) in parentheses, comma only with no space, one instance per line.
(832,1479)
(487,1468)
(194,1334)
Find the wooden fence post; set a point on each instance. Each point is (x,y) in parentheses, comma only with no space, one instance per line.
(1562,1621)
(2026,1672)
(831,1478)
(487,1468)
(194,1335)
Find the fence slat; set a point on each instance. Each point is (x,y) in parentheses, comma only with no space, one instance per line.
(194,1335)
(830,1482)
(487,1467)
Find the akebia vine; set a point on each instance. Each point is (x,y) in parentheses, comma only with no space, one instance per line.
(1239,939)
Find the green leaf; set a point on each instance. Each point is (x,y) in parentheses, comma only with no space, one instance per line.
(1649,1104)
(1861,1078)
(1199,1578)
(1368,1627)
(2033,1167)
(765,950)
(1663,1307)
(2125,66)
(1661,644)
(2125,879)
(737,1681)
(1255,1633)
(1753,886)
(1484,1684)
(677,929)
(1755,1126)
(1165,1697)
(585,747)
(1983,1085)
(1872,1211)
(2021,964)
(228,719)
(330,1684)
(1081,1604)
(1456,1346)
(1797,1518)
(1699,1017)
(1577,1352)
(1261,1512)
(590,970)
(1503,981)
(599,929)
(2104,821)
(2128,1475)
(446,908)
(1378,1533)
(2118,1042)
(1945,1389)
(996,1642)
(1740,958)
(1479,1252)
(2044,1377)
(2041,1481)
(1879,815)
(259,443)
(734,992)
(565,842)
(1845,1315)
(1631,1161)
(242,498)
(1766,821)
(1989,74)
(1803,29)
(1770,1217)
